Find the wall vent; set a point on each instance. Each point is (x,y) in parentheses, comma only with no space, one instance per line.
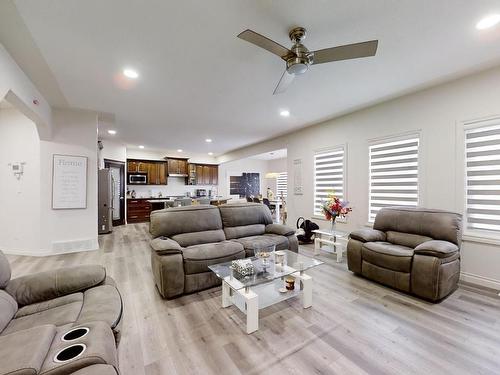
(74,246)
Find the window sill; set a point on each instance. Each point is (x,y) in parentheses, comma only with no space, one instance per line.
(322,218)
(481,238)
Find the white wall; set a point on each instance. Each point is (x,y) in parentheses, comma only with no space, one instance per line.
(113,151)
(274,166)
(75,133)
(19,198)
(435,113)
(16,86)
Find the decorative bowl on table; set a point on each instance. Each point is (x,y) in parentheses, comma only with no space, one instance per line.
(264,253)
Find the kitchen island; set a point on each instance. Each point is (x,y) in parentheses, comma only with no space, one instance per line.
(139,209)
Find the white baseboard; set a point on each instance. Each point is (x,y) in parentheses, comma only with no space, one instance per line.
(480,280)
(58,248)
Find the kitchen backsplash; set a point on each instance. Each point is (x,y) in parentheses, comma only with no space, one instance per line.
(176,186)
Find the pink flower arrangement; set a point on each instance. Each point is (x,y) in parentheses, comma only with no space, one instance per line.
(334,207)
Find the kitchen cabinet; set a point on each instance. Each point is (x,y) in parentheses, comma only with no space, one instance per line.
(138,210)
(177,166)
(157,171)
(203,174)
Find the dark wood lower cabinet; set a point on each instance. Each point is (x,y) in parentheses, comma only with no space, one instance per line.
(138,210)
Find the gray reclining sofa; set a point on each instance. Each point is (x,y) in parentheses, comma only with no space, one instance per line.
(186,240)
(415,250)
(58,322)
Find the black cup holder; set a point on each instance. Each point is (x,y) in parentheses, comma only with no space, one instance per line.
(75,333)
(69,353)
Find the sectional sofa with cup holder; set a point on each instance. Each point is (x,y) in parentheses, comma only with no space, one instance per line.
(64,321)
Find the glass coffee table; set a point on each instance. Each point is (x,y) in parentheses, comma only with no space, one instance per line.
(266,286)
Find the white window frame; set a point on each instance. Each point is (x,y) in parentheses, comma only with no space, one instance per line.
(395,138)
(472,235)
(343,147)
(280,175)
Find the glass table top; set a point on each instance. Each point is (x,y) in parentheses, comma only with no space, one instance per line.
(264,273)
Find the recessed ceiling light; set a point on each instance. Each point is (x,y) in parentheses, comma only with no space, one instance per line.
(141,146)
(130,73)
(208,140)
(179,150)
(112,132)
(488,21)
(210,153)
(285,113)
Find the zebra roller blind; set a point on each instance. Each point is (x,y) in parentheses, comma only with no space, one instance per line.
(329,168)
(281,184)
(482,147)
(393,174)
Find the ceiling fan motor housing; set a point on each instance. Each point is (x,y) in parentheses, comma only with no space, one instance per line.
(300,61)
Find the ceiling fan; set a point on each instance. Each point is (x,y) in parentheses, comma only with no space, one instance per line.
(299,58)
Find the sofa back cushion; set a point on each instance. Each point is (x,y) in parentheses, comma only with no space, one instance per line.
(8,308)
(187,219)
(197,238)
(244,219)
(437,224)
(4,270)
(406,239)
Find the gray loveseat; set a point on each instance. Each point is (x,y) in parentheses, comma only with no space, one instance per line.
(416,250)
(189,239)
(38,310)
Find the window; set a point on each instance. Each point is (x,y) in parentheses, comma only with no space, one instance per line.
(281,184)
(329,167)
(482,182)
(393,174)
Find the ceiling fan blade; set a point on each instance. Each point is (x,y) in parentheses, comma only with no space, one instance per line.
(349,51)
(285,81)
(266,43)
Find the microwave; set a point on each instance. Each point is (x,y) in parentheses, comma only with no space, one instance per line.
(138,179)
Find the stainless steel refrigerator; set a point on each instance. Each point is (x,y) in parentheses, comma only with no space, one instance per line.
(105,201)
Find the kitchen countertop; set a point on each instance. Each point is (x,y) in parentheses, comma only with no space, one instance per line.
(179,196)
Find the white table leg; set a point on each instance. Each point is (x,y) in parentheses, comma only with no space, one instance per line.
(317,243)
(338,250)
(226,295)
(252,309)
(306,284)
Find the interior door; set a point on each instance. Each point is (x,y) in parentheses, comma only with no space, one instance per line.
(117,169)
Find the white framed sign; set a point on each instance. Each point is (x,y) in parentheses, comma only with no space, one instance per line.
(69,182)
(297,177)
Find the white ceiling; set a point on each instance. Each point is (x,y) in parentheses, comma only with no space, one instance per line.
(198,80)
(277,154)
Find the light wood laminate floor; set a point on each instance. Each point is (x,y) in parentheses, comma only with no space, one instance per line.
(354,327)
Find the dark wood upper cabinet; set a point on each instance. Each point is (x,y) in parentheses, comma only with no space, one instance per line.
(157,171)
(177,166)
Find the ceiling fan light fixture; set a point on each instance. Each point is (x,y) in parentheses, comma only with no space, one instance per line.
(488,22)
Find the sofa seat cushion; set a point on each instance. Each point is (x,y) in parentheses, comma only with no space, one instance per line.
(387,255)
(253,242)
(197,258)
(58,316)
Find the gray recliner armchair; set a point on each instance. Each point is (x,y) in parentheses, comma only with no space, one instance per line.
(59,322)
(415,250)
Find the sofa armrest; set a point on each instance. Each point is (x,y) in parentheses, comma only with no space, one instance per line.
(165,246)
(368,235)
(280,229)
(47,285)
(439,249)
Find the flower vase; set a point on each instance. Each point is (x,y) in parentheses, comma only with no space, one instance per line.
(333,223)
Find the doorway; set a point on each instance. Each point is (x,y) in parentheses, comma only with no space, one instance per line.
(117,169)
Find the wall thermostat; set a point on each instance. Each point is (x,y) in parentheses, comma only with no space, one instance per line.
(17,169)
